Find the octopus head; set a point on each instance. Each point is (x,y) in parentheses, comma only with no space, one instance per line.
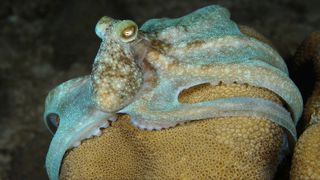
(117,72)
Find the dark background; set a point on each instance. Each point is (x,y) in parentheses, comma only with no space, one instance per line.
(43,43)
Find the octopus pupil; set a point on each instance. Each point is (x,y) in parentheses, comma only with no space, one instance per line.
(128,32)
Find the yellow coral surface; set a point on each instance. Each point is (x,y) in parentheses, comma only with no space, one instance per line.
(306,159)
(224,148)
(254,34)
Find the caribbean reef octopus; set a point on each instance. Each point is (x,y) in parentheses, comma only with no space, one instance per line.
(142,71)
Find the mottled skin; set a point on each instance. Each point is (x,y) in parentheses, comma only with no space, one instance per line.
(142,72)
(116,75)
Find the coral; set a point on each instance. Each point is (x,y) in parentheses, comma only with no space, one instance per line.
(309,52)
(253,33)
(306,159)
(225,148)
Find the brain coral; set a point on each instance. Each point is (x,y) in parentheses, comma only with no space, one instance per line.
(306,159)
(224,148)
(309,52)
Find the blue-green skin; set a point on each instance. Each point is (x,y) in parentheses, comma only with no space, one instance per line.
(204,46)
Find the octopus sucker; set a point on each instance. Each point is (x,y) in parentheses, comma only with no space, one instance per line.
(154,125)
(141,72)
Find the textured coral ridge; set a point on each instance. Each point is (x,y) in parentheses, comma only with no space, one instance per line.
(306,159)
(224,148)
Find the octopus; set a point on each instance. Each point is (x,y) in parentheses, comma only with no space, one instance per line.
(142,71)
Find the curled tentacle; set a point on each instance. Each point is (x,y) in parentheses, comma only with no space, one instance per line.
(79,119)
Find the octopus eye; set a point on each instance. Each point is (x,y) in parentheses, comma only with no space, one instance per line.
(127,30)
(53,121)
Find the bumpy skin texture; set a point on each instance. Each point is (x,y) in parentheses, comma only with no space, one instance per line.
(306,159)
(116,74)
(141,73)
(215,148)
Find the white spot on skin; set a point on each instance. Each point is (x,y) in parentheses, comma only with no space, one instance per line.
(120,85)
